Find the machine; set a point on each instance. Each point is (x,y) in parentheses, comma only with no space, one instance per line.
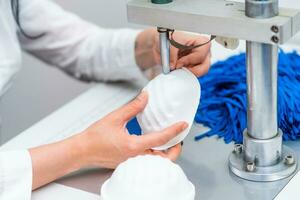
(264,26)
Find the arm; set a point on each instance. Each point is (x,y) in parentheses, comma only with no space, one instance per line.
(79,48)
(88,52)
(104,144)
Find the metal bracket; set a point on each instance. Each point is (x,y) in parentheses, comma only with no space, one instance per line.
(264,26)
(286,166)
(215,17)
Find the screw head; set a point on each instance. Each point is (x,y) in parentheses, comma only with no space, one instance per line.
(250,166)
(275,39)
(275,29)
(238,148)
(289,160)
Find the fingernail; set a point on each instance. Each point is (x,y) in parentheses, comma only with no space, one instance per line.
(142,95)
(172,66)
(184,126)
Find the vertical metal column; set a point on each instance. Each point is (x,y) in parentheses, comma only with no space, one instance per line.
(164,49)
(262,60)
(262,90)
(262,156)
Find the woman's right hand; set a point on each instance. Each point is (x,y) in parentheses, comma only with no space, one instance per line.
(107,142)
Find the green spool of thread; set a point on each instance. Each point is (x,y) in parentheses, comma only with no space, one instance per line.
(161,1)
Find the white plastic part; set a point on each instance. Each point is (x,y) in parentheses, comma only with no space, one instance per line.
(148,178)
(172,98)
(228,43)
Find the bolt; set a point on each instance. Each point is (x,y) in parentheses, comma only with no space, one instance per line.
(250,166)
(238,148)
(275,29)
(289,160)
(275,39)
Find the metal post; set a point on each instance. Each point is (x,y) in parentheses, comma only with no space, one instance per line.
(262,60)
(164,49)
(263,158)
(262,90)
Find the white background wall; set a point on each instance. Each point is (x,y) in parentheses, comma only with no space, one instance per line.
(40,89)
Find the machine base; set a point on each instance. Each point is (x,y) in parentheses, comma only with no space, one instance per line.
(279,171)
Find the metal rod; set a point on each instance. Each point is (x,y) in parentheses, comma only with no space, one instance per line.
(164,51)
(262,62)
(261,8)
(263,152)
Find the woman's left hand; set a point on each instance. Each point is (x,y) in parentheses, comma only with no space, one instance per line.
(196,60)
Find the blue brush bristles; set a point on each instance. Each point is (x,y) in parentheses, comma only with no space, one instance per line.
(223,99)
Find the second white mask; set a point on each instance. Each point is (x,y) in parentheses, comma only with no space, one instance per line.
(172,98)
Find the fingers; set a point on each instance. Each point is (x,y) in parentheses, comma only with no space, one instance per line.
(194,58)
(173,57)
(131,109)
(172,153)
(152,140)
(200,70)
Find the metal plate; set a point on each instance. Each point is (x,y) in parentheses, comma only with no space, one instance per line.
(215,17)
(270,173)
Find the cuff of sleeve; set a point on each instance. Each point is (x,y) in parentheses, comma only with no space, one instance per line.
(127,42)
(123,45)
(119,56)
(15,175)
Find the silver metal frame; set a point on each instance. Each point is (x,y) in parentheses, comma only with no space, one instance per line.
(215,17)
(263,157)
(262,160)
(264,26)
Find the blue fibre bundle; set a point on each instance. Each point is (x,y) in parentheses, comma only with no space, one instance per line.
(133,127)
(223,98)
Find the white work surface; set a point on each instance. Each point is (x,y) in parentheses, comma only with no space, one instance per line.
(204,162)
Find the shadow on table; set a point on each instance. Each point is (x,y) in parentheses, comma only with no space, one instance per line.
(89,180)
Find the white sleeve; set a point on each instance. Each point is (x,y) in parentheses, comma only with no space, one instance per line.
(79,48)
(15,175)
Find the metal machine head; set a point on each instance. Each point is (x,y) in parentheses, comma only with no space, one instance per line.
(264,26)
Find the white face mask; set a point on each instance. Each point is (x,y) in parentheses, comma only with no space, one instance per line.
(148,177)
(10,52)
(172,98)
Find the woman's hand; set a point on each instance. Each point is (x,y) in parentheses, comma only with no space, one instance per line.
(196,60)
(106,143)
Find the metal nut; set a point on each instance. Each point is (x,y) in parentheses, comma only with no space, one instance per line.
(289,160)
(275,39)
(250,166)
(275,29)
(238,148)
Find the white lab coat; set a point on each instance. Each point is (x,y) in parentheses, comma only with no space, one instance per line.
(77,47)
